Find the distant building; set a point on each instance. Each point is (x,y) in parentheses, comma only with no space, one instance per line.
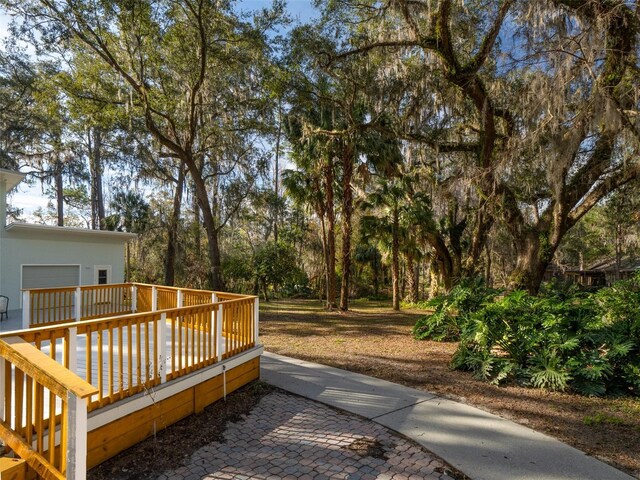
(43,256)
(599,274)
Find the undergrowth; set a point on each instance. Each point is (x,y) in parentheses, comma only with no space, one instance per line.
(562,339)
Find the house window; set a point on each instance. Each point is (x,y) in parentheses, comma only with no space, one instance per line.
(103,276)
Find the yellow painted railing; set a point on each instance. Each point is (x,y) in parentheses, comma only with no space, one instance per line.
(194,338)
(126,354)
(51,306)
(44,406)
(46,306)
(144,297)
(105,300)
(84,345)
(237,330)
(191,298)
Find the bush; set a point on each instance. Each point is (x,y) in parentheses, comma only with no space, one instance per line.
(450,311)
(562,339)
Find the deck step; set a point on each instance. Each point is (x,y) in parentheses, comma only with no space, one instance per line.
(12,469)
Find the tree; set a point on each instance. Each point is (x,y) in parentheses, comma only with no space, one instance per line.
(192,72)
(18,125)
(313,185)
(511,118)
(130,214)
(275,264)
(401,216)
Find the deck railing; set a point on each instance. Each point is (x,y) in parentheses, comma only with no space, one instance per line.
(175,331)
(50,306)
(114,353)
(44,412)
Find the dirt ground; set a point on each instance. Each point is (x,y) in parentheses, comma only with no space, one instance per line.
(374,340)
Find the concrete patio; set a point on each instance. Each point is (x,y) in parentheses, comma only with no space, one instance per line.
(13,322)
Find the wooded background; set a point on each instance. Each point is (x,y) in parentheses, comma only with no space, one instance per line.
(389,148)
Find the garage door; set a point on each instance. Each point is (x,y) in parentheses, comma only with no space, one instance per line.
(49,276)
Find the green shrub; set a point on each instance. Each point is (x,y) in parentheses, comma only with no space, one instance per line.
(561,339)
(450,311)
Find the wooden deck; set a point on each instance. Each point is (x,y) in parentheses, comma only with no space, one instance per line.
(175,343)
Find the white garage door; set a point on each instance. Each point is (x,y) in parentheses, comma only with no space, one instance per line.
(49,276)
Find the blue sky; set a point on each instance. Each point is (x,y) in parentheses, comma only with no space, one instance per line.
(31,198)
(302,10)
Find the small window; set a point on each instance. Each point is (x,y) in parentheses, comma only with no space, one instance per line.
(103,276)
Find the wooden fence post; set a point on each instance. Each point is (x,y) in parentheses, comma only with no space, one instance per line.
(134,299)
(219,332)
(180,299)
(2,390)
(256,320)
(154,299)
(72,348)
(162,348)
(76,438)
(26,309)
(78,312)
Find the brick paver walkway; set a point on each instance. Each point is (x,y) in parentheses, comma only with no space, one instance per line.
(288,437)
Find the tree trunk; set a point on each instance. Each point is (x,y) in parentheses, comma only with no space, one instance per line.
(487,273)
(535,252)
(172,242)
(412,278)
(395,259)
(276,183)
(197,240)
(347,211)
(478,241)
(331,235)
(59,193)
(94,142)
(325,255)
(215,272)
(127,276)
(445,266)
(375,267)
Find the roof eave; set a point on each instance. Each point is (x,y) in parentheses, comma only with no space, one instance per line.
(18,226)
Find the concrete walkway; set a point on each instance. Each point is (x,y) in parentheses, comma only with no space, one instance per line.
(481,445)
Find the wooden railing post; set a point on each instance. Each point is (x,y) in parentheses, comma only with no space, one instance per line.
(76,438)
(134,299)
(162,348)
(2,390)
(72,349)
(154,298)
(256,320)
(180,299)
(26,309)
(220,345)
(78,312)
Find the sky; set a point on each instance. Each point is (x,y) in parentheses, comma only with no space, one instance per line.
(30,198)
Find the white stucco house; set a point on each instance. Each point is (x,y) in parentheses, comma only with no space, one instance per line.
(41,256)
